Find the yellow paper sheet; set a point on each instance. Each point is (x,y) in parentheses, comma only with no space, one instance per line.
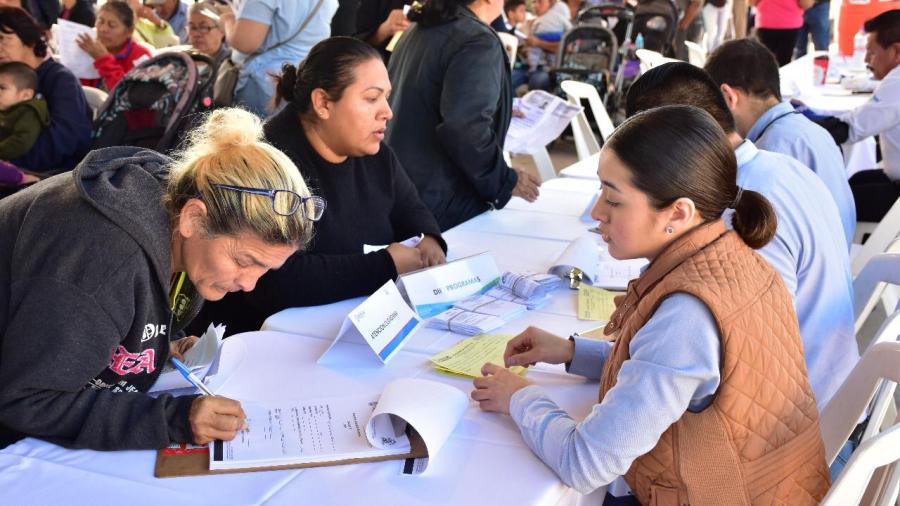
(467,357)
(595,303)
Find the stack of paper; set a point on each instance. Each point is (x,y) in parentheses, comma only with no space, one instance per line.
(543,118)
(467,357)
(485,304)
(530,286)
(500,293)
(465,322)
(343,429)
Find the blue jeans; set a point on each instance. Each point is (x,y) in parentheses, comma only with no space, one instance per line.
(815,25)
(841,459)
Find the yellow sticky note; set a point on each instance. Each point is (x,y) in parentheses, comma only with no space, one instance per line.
(595,303)
(467,357)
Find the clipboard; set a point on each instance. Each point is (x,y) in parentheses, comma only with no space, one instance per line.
(194,461)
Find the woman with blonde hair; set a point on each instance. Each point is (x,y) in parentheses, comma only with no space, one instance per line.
(92,306)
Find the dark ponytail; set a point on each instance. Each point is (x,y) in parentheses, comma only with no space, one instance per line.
(436,12)
(754,219)
(330,66)
(680,151)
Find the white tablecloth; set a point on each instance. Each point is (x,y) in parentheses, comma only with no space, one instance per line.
(485,459)
(484,462)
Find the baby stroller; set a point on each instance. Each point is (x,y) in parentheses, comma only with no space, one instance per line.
(157,102)
(620,20)
(657,20)
(587,53)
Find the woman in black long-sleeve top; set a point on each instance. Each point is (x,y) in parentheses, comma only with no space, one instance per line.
(332,128)
(453,103)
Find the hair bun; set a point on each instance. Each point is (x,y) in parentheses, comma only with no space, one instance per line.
(286,82)
(227,128)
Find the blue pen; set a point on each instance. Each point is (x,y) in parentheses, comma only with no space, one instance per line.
(188,375)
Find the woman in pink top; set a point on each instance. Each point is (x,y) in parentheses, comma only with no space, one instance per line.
(777,24)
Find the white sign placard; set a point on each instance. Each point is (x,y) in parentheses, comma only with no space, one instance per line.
(383,321)
(434,290)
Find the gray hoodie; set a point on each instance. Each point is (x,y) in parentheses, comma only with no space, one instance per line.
(85,263)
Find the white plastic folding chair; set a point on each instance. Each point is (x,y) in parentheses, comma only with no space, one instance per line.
(696,54)
(95,98)
(542,162)
(650,59)
(879,365)
(882,235)
(869,285)
(511,45)
(585,142)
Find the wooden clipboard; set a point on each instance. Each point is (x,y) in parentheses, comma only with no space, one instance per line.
(194,461)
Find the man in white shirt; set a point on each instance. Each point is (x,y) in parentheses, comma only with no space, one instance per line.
(875,191)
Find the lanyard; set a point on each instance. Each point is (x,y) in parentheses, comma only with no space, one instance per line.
(763,131)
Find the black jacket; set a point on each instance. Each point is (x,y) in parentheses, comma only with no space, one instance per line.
(85,262)
(370,201)
(452,104)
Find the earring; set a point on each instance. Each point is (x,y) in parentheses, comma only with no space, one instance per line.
(670,229)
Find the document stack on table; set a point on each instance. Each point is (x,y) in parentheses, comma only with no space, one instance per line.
(467,323)
(515,294)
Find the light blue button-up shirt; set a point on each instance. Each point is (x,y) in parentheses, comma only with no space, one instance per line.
(782,130)
(810,253)
(673,367)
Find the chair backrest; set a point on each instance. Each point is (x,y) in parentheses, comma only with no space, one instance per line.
(870,283)
(880,362)
(585,142)
(511,45)
(879,451)
(650,59)
(879,365)
(95,99)
(881,238)
(696,54)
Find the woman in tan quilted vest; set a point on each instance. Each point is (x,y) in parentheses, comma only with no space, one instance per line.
(704,396)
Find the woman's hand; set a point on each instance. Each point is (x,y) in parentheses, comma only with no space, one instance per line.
(432,254)
(91,46)
(215,417)
(395,22)
(536,345)
(405,259)
(177,348)
(494,390)
(526,186)
(149,14)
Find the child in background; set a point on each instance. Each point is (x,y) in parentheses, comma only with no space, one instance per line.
(22,117)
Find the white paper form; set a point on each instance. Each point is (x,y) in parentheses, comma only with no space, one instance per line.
(545,118)
(73,57)
(433,409)
(582,253)
(199,359)
(311,431)
(412,242)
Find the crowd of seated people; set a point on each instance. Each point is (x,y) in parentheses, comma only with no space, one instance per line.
(260,210)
